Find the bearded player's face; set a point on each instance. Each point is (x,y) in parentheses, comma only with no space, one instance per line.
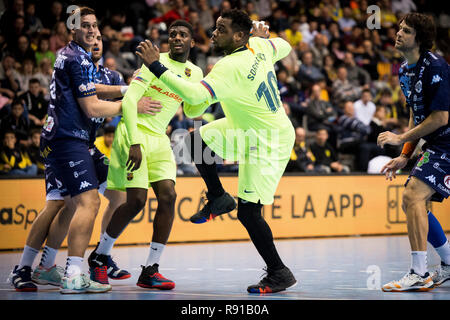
(406,38)
(222,37)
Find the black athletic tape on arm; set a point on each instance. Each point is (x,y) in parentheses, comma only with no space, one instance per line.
(157,68)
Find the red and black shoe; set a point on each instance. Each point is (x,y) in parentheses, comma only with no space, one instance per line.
(274,281)
(151,278)
(214,207)
(98,267)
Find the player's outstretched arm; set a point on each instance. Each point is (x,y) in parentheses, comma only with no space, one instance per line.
(105,91)
(191,92)
(96,108)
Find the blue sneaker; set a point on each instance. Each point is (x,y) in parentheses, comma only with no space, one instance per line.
(21,279)
(114,272)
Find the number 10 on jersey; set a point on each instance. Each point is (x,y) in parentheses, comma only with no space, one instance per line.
(269,92)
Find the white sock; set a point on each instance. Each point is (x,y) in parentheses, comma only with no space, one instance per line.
(419,262)
(444,252)
(106,244)
(156,250)
(48,257)
(73,266)
(28,256)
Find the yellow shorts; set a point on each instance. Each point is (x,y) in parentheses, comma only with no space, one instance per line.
(157,164)
(262,156)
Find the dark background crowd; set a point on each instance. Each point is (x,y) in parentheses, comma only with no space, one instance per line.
(339,85)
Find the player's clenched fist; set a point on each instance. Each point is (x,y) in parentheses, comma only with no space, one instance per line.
(147,52)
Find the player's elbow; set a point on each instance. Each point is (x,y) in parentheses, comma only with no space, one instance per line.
(441,118)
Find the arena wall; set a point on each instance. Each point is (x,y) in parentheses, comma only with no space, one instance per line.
(304,207)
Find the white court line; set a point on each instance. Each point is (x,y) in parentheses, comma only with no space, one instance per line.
(252,269)
(224,269)
(309,270)
(338,271)
(195,269)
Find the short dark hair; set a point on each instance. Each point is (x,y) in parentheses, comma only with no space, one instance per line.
(109,129)
(182,23)
(34,80)
(240,21)
(83,11)
(425,29)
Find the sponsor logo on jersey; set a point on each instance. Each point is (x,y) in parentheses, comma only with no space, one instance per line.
(167,93)
(447,181)
(436,165)
(85,63)
(130,176)
(424,159)
(49,123)
(187,72)
(436,79)
(75,163)
(84,185)
(419,86)
(432,179)
(444,157)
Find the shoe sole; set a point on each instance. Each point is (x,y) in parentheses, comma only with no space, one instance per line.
(160,287)
(437,284)
(213,215)
(120,278)
(412,289)
(291,286)
(72,291)
(45,282)
(26,290)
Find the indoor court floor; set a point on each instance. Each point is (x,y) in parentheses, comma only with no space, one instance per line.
(326,269)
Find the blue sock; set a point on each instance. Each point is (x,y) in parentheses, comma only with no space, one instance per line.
(436,235)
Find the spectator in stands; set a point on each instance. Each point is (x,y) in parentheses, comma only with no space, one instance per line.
(23,50)
(343,89)
(44,75)
(17,122)
(364,107)
(293,34)
(202,41)
(104,142)
(122,65)
(352,132)
(18,29)
(33,22)
(324,155)
(319,49)
(308,73)
(346,23)
(35,103)
(355,74)
(9,83)
(25,75)
(15,9)
(34,150)
(319,113)
(369,148)
(370,59)
(60,37)
(177,11)
(300,160)
(43,50)
(54,16)
(206,17)
(329,70)
(14,159)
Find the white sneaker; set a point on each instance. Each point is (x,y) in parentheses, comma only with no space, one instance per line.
(410,282)
(441,275)
(81,283)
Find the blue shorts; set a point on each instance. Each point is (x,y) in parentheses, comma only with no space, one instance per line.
(433,168)
(78,167)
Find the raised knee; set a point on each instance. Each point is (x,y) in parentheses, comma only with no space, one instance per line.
(168,198)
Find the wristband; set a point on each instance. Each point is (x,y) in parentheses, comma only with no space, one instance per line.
(157,68)
(408,149)
(123,90)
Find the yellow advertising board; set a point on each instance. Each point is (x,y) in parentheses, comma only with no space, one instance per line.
(304,206)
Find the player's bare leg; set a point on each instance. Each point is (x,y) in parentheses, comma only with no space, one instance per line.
(162,225)
(414,205)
